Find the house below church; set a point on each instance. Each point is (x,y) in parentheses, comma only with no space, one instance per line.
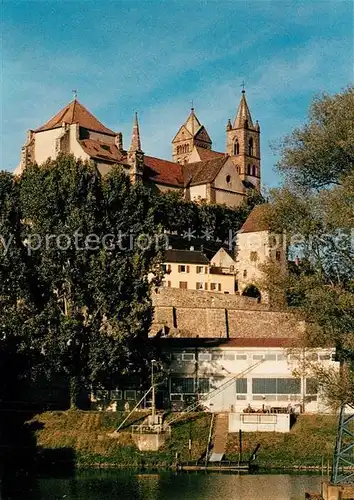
(195,170)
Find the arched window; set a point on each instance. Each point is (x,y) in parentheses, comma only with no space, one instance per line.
(250,147)
(236,148)
(248,169)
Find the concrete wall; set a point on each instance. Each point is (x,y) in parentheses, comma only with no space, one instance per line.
(259,422)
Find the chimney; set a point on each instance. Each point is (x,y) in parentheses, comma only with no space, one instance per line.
(118,140)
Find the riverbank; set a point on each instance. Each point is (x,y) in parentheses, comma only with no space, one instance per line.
(82,437)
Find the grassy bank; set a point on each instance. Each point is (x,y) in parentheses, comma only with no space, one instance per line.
(309,441)
(85,436)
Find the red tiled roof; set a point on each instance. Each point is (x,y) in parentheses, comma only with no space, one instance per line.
(207,154)
(102,150)
(203,172)
(163,171)
(75,112)
(258,220)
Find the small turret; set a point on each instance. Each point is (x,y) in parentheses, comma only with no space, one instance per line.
(135,156)
(228,125)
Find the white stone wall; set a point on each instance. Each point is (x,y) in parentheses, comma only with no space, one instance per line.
(45,144)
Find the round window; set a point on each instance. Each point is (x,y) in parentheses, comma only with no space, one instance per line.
(228,178)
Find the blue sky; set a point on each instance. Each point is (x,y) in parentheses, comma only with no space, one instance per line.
(156,56)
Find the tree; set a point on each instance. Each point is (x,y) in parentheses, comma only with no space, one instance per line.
(316,210)
(83,242)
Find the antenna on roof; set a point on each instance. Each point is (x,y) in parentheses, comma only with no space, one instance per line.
(75,94)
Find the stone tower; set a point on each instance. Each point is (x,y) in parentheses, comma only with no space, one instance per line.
(135,157)
(191,133)
(243,145)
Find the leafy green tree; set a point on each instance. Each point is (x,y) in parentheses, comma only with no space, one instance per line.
(316,209)
(82,240)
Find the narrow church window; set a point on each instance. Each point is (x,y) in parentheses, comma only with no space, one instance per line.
(248,169)
(236,148)
(250,147)
(228,178)
(254,171)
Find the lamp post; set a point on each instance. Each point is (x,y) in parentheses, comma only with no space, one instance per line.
(153,407)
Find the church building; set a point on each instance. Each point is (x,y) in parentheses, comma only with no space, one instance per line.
(195,168)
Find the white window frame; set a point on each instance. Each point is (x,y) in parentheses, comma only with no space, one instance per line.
(118,396)
(129,399)
(204,356)
(188,354)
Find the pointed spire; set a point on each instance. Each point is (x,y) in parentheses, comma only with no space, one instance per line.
(192,123)
(243,113)
(135,144)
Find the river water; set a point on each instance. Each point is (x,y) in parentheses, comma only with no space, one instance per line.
(129,485)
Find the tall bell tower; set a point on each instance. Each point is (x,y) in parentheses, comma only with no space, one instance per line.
(243,145)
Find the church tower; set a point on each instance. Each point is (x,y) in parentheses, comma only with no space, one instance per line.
(243,145)
(191,133)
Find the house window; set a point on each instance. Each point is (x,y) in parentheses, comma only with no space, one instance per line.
(324,357)
(241,357)
(254,171)
(182,385)
(188,356)
(213,286)
(200,269)
(228,356)
(281,357)
(204,356)
(203,386)
(183,285)
(248,169)
(199,286)
(182,268)
(241,385)
(270,357)
(164,268)
(257,357)
(177,356)
(276,386)
(219,287)
(216,356)
(130,395)
(116,395)
(253,256)
(311,386)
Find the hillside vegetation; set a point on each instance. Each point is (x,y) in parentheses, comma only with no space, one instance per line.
(310,441)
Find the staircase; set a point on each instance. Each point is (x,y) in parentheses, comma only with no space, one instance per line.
(220,434)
